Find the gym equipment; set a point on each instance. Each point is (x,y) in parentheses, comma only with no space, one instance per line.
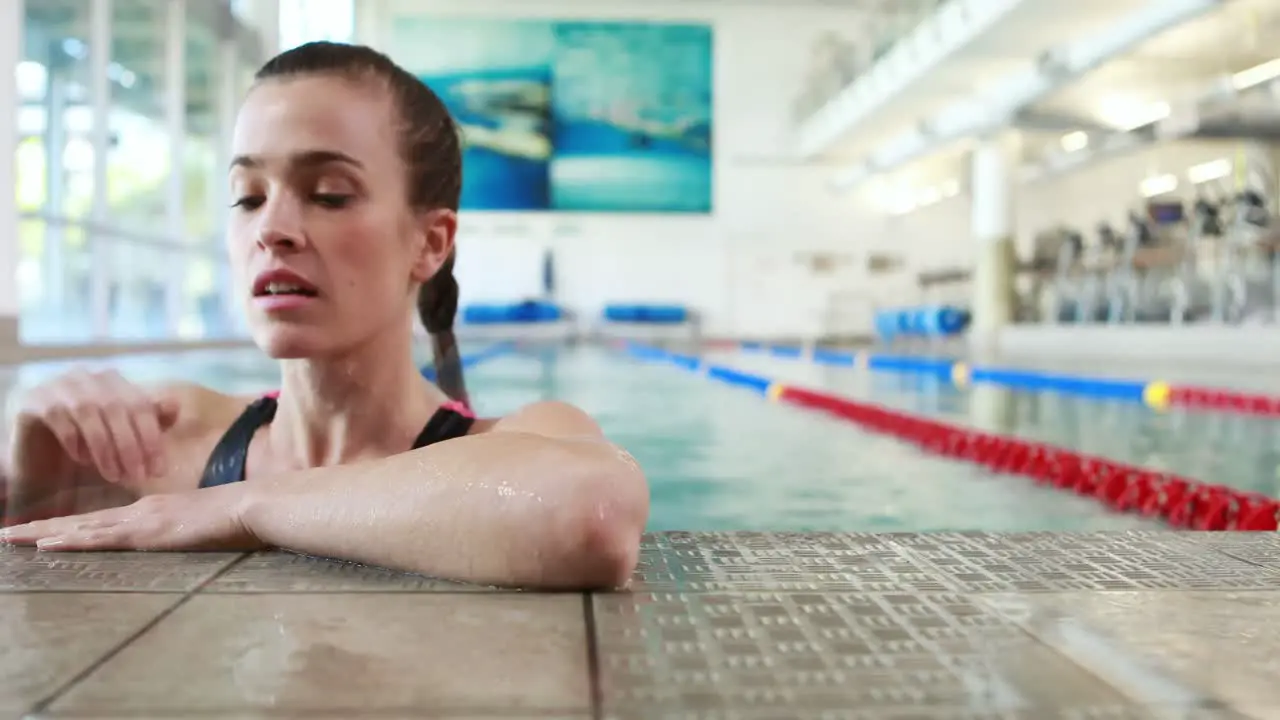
(1247,275)
(1190,295)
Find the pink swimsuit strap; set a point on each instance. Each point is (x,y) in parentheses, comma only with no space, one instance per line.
(458,407)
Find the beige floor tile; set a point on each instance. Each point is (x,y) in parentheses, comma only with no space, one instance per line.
(773,655)
(23,569)
(284,572)
(1194,647)
(337,715)
(351,652)
(46,639)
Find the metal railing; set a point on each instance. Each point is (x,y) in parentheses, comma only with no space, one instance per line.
(81,281)
(844,61)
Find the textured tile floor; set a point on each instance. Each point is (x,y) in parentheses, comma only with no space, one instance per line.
(716,625)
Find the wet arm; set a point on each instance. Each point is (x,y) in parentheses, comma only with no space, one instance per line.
(540,500)
(38,479)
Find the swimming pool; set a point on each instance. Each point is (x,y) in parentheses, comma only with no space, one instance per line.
(1234,450)
(720,458)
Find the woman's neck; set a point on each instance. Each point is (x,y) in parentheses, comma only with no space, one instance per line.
(370,401)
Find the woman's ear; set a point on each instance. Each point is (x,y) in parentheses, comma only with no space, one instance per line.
(434,235)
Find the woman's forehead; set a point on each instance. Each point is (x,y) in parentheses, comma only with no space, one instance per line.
(316,114)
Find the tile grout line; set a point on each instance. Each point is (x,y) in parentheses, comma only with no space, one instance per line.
(1256,563)
(388,713)
(593,657)
(42,705)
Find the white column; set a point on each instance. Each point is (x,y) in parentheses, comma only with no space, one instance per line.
(266,18)
(54,265)
(1256,168)
(991,223)
(369,22)
(991,409)
(100,265)
(11,16)
(175,120)
(228,102)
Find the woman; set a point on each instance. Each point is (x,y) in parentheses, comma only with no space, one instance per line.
(346,177)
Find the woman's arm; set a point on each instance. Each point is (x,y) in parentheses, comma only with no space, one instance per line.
(98,457)
(541,499)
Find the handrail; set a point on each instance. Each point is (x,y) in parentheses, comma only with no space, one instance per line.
(161,242)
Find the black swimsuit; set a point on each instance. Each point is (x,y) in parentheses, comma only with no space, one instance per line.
(227,461)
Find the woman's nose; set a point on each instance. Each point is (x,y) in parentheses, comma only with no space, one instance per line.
(280,225)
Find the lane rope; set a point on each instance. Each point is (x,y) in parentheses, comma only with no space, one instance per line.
(1155,394)
(1178,501)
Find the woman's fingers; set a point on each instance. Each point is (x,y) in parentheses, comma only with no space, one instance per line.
(30,533)
(93,429)
(63,426)
(147,426)
(120,424)
(103,415)
(33,532)
(77,397)
(104,421)
(105,538)
(143,427)
(194,520)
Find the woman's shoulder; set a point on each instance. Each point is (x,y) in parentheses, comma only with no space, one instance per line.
(202,409)
(554,418)
(203,416)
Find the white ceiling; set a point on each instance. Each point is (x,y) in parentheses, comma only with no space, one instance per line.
(1179,63)
(1172,66)
(1013,45)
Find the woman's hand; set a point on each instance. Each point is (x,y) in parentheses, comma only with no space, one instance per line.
(99,420)
(208,519)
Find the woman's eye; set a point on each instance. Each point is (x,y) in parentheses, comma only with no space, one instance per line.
(249,202)
(331,200)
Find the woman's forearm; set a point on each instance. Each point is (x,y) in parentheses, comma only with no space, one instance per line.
(501,508)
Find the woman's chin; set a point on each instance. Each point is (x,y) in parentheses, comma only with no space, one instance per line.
(289,343)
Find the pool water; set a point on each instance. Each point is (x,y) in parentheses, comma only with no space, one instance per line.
(723,458)
(1236,450)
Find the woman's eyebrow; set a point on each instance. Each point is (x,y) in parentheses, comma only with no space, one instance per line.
(304,159)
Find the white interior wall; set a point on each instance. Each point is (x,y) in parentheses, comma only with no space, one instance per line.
(745,267)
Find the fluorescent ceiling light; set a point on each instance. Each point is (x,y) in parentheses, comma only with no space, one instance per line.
(1256,75)
(1207,172)
(1128,115)
(1158,185)
(951,188)
(929,196)
(1075,142)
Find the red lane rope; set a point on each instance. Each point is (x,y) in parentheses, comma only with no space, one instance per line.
(1227,400)
(1178,501)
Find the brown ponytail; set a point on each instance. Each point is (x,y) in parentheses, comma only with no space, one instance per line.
(437,308)
(432,152)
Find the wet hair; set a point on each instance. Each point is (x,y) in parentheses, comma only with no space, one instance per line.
(432,153)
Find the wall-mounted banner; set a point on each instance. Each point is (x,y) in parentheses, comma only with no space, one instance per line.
(572,116)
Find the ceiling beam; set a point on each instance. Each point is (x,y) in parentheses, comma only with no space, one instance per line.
(1056,122)
(998,105)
